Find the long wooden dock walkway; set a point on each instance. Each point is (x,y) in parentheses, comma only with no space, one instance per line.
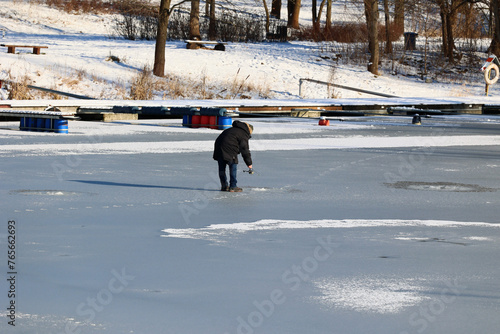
(297,107)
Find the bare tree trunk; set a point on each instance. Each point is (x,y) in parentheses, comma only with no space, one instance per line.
(267,15)
(276,9)
(450,40)
(166,8)
(469,32)
(448,11)
(399,16)
(491,18)
(293,13)
(315,20)
(161,38)
(388,42)
(371,13)
(495,41)
(328,20)
(212,33)
(194,20)
(444,26)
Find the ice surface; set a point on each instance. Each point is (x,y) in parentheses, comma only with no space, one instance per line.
(320,240)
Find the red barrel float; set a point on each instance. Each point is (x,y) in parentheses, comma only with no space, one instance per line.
(213,122)
(195,121)
(204,121)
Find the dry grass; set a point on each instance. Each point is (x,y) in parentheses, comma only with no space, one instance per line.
(18,87)
(243,88)
(333,92)
(142,85)
(174,87)
(83,6)
(171,87)
(70,82)
(238,85)
(66,80)
(461,91)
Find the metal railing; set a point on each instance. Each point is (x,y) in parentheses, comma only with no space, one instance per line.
(329,84)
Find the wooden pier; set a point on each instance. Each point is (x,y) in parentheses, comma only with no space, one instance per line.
(111,110)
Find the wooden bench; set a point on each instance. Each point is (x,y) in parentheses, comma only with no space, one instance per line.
(36,48)
(195,44)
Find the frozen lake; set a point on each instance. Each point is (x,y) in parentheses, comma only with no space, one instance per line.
(371,225)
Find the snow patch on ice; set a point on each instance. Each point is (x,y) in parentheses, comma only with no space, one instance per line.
(477,238)
(46,323)
(368,294)
(220,233)
(260,189)
(163,147)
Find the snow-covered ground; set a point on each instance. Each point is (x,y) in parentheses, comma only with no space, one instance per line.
(369,225)
(79,46)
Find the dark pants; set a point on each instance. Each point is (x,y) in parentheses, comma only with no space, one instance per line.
(232,173)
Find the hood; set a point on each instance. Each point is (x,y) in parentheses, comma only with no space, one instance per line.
(244,126)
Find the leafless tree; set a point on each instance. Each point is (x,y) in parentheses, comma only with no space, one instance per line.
(293,13)
(276,9)
(388,42)
(495,41)
(448,10)
(166,9)
(316,15)
(212,20)
(399,16)
(328,19)
(267,15)
(448,16)
(194,20)
(371,14)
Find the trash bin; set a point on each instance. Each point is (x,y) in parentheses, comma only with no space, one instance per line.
(410,40)
(282,33)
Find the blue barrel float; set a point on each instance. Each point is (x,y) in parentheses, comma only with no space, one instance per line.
(31,124)
(22,124)
(61,125)
(225,122)
(186,120)
(40,124)
(48,124)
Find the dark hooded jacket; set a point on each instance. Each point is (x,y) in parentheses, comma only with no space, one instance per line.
(232,142)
